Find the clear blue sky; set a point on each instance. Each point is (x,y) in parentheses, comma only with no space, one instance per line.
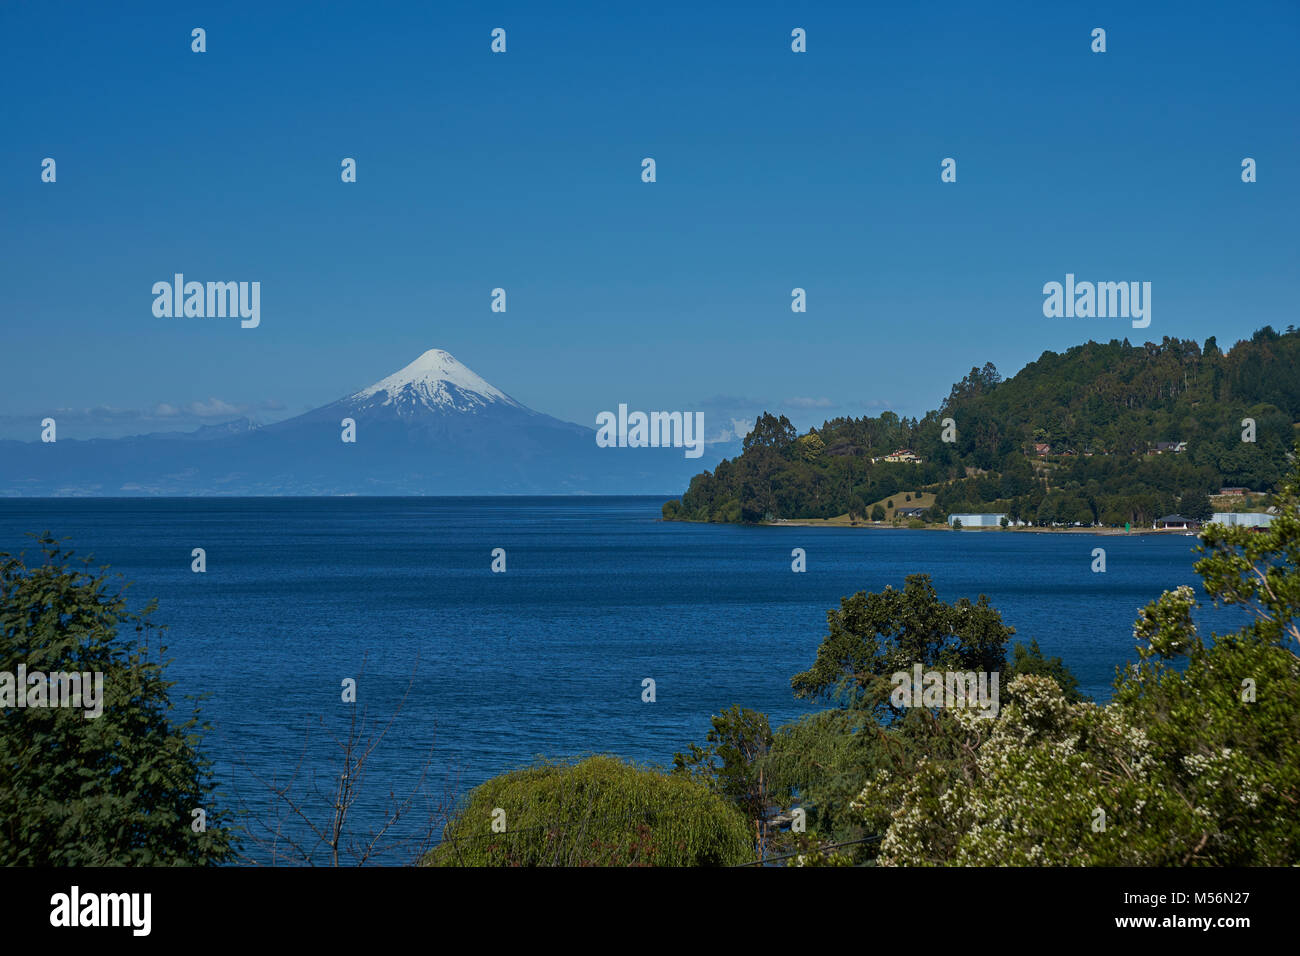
(522,170)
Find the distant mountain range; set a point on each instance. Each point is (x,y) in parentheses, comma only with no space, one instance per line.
(432,428)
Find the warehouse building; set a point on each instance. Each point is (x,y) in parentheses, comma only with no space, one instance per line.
(1243,519)
(977,521)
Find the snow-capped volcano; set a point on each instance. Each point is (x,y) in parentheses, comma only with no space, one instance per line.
(435,380)
(431,428)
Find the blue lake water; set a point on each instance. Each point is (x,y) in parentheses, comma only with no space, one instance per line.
(549,657)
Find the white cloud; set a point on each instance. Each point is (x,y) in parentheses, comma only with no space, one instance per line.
(214,407)
(735,430)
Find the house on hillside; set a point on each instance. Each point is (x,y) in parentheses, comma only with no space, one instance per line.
(1171,447)
(1042,450)
(903,455)
(1234,492)
(910,512)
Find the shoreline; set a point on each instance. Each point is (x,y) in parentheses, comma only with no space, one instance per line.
(869,526)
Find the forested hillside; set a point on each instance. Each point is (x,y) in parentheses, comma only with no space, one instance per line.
(1070,439)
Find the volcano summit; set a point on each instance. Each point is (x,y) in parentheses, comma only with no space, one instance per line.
(434,427)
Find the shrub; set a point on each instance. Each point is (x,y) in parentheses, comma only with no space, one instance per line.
(597,812)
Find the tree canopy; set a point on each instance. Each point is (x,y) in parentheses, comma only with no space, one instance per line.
(1195,761)
(118,789)
(596,812)
(873,636)
(1100,411)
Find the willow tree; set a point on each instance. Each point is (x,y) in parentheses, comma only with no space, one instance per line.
(597,812)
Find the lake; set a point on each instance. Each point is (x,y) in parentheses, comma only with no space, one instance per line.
(547,658)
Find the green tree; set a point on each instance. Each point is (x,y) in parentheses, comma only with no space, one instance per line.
(731,762)
(1257,569)
(810,447)
(117,789)
(596,812)
(877,513)
(757,503)
(1195,505)
(823,759)
(873,636)
(1029,659)
(770,432)
(1195,761)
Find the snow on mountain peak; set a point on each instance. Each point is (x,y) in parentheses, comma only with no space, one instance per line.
(434,380)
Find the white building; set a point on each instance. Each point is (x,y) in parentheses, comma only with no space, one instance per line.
(977,521)
(1243,519)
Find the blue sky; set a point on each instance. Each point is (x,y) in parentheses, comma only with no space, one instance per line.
(522,170)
